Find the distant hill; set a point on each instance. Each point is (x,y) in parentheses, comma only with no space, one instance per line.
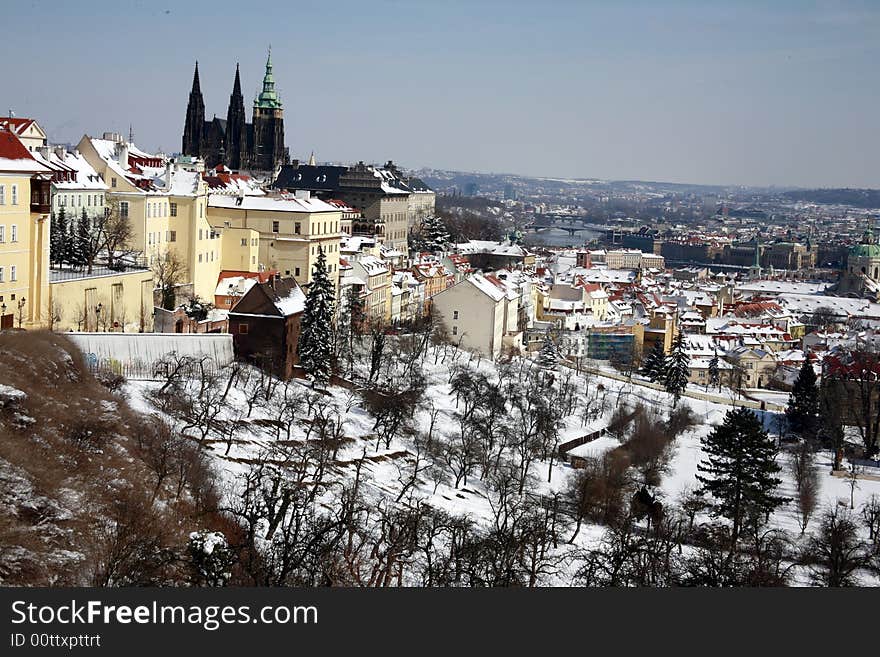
(859,198)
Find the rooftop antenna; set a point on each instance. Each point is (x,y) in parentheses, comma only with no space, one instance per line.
(130,134)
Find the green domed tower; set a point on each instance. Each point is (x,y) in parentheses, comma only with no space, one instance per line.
(862,263)
(268,125)
(864,258)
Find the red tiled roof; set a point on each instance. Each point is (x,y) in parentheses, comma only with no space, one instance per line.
(17,125)
(11,147)
(260,276)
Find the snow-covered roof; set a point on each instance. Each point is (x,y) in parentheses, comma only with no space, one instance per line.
(234,286)
(15,157)
(486,286)
(285,203)
(293,303)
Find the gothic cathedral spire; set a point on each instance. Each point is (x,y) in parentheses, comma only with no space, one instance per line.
(195,119)
(236,129)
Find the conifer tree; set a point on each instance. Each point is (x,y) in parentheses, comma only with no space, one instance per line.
(315,346)
(548,356)
(654,365)
(803,403)
(677,369)
(58,241)
(714,373)
(433,235)
(80,243)
(739,470)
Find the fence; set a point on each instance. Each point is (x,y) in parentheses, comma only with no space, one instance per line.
(142,355)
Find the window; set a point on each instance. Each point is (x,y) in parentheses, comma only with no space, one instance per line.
(297,227)
(113,182)
(244,241)
(200,257)
(200,233)
(2,194)
(172,236)
(15,195)
(454,330)
(275,226)
(201,210)
(243,329)
(1,274)
(2,233)
(12,273)
(13,233)
(296,271)
(454,314)
(123,209)
(173,207)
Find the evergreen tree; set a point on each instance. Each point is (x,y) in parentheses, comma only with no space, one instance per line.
(739,470)
(677,369)
(315,346)
(548,356)
(82,237)
(58,241)
(433,235)
(803,403)
(654,365)
(714,373)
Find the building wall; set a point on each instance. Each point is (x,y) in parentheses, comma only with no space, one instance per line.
(28,253)
(293,249)
(392,212)
(419,206)
(126,300)
(479,323)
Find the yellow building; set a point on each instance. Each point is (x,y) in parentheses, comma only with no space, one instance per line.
(287,232)
(168,209)
(25,187)
(101,301)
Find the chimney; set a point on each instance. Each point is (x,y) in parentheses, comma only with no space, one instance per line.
(60,152)
(169,169)
(122,154)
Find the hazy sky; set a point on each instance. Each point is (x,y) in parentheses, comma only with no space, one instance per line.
(752,93)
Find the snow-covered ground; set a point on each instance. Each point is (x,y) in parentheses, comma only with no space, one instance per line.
(384,469)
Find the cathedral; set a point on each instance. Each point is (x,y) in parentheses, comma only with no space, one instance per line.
(255,146)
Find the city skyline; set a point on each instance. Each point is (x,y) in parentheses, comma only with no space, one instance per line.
(742,95)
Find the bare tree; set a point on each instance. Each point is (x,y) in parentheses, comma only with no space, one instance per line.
(169,271)
(115,233)
(834,555)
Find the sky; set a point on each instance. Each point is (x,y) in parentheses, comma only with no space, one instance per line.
(770,93)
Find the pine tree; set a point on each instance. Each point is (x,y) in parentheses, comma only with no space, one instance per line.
(677,369)
(433,235)
(315,346)
(654,365)
(803,403)
(548,356)
(739,470)
(58,251)
(82,238)
(714,373)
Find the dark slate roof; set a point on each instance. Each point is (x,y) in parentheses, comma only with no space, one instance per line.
(322,178)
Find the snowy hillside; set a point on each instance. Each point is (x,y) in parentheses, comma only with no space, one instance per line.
(440,432)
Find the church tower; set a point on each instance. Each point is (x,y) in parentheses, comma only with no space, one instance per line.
(268,125)
(236,130)
(195,119)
